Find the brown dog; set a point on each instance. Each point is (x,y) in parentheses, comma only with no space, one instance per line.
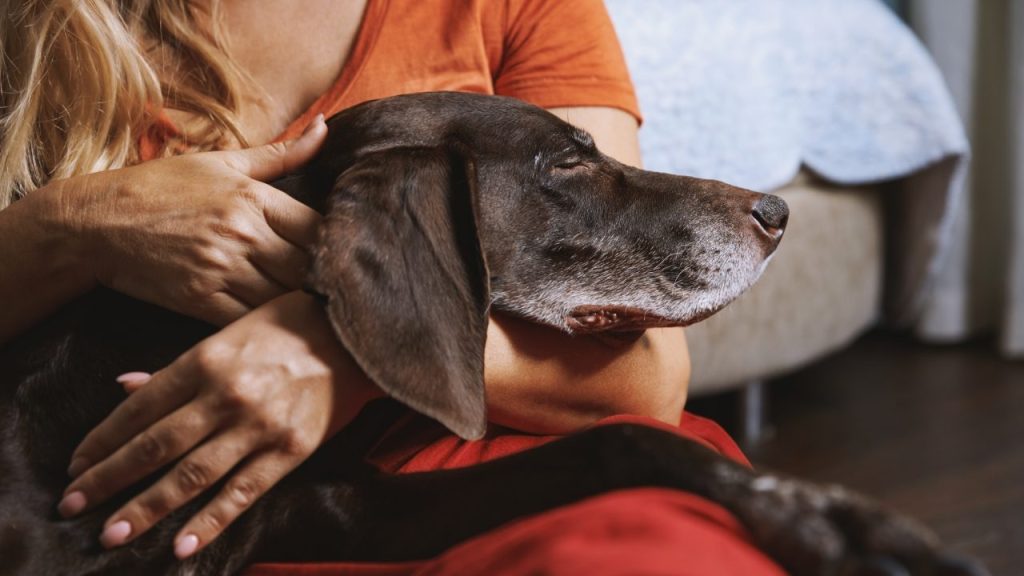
(439,206)
(448,204)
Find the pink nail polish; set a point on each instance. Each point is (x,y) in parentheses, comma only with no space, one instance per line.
(72,504)
(133,377)
(186,546)
(116,534)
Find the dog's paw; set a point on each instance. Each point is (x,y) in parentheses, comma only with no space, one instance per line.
(831,531)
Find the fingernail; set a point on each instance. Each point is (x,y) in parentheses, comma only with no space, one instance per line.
(133,378)
(72,504)
(186,546)
(116,534)
(78,465)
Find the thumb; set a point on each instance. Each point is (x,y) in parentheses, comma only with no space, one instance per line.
(271,161)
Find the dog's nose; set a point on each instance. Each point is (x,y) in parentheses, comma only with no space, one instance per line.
(772,213)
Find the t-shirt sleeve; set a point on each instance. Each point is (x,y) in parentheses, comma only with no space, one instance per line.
(563,53)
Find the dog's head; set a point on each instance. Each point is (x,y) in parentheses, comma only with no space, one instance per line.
(444,204)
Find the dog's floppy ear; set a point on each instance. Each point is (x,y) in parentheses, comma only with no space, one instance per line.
(400,264)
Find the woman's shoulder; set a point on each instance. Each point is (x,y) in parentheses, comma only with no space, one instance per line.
(549,53)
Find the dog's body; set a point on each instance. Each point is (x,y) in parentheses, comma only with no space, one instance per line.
(440,206)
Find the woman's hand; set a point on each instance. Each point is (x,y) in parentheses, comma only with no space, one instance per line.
(200,234)
(253,402)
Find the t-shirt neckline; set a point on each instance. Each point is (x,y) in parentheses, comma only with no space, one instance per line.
(366,38)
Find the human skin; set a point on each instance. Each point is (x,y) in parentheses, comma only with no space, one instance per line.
(270,387)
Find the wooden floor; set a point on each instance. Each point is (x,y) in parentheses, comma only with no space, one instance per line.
(937,432)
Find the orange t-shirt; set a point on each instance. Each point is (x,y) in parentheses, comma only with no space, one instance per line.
(547,52)
(551,53)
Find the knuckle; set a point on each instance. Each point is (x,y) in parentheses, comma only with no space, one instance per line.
(195,286)
(243,491)
(207,358)
(193,477)
(238,395)
(261,424)
(149,448)
(232,401)
(235,227)
(223,206)
(152,509)
(213,523)
(252,201)
(244,193)
(206,273)
(277,151)
(211,253)
(294,443)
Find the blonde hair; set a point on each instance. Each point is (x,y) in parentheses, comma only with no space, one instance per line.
(81,80)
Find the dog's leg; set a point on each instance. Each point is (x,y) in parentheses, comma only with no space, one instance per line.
(809,530)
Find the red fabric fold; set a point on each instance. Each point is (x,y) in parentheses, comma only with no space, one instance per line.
(646,531)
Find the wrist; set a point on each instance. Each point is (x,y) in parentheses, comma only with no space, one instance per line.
(352,388)
(54,209)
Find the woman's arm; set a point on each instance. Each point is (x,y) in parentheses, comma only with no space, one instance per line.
(42,265)
(542,380)
(199,234)
(249,403)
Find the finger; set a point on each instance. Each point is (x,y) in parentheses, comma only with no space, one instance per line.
(281,260)
(146,453)
(132,381)
(223,308)
(290,219)
(163,395)
(253,480)
(276,159)
(195,473)
(253,286)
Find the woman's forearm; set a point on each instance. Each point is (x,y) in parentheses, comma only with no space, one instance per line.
(544,381)
(40,265)
(198,234)
(541,380)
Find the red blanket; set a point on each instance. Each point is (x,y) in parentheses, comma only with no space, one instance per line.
(636,532)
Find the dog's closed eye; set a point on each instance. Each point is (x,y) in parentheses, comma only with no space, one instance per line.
(570,164)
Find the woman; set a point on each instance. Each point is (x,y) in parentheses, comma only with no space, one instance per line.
(136,140)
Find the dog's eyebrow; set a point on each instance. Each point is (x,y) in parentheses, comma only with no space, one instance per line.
(582,138)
